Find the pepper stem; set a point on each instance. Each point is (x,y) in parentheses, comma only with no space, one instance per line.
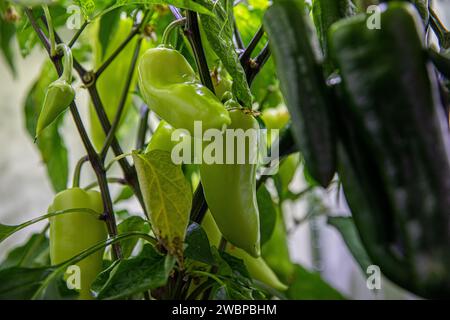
(68,62)
(168,31)
(51,32)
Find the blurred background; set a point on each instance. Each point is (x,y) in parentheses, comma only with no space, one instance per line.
(25,191)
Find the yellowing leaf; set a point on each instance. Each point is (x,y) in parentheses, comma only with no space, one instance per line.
(167,198)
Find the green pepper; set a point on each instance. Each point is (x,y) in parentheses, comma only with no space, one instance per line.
(276,118)
(171,89)
(59,95)
(294,46)
(257,267)
(230,188)
(325,13)
(71,233)
(395,153)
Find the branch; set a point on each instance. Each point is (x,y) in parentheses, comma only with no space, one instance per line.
(78,33)
(257,64)
(143,126)
(123,99)
(192,32)
(246,55)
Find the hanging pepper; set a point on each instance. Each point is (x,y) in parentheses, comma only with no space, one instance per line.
(59,95)
(295,48)
(230,186)
(171,89)
(71,233)
(395,148)
(325,13)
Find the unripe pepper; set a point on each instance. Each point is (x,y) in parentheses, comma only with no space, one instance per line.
(297,58)
(230,188)
(257,267)
(170,88)
(71,233)
(395,153)
(59,95)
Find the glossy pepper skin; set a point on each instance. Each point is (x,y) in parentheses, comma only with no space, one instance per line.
(395,148)
(325,13)
(59,95)
(72,233)
(257,267)
(171,89)
(230,189)
(295,49)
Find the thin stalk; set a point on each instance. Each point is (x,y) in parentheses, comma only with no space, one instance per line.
(51,32)
(78,33)
(77,171)
(170,28)
(110,180)
(123,99)
(68,62)
(116,52)
(143,126)
(245,56)
(192,32)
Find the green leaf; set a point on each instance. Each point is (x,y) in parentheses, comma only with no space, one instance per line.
(167,196)
(33,253)
(309,285)
(6,231)
(219,31)
(50,143)
(108,26)
(267,213)
(124,278)
(198,247)
(347,229)
(18,283)
(26,37)
(125,194)
(7,32)
(133,223)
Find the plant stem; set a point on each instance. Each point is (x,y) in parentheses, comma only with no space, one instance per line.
(51,32)
(143,126)
(123,99)
(245,56)
(237,36)
(78,33)
(192,32)
(77,171)
(68,62)
(171,27)
(257,64)
(116,52)
(110,180)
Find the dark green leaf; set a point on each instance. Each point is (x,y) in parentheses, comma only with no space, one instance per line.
(267,213)
(219,31)
(347,229)
(107,29)
(7,32)
(133,223)
(198,247)
(34,253)
(125,194)
(147,271)
(19,283)
(309,285)
(6,231)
